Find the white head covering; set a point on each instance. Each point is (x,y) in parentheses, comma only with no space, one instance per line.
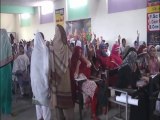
(78,43)
(40,70)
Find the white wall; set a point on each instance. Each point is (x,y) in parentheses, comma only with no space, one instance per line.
(48,29)
(124,23)
(103,24)
(7,21)
(28,32)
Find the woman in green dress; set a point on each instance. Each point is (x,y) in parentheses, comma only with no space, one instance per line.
(5,73)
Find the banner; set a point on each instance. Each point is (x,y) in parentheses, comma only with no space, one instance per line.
(59,13)
(78,27)
(153,22)
(153,9)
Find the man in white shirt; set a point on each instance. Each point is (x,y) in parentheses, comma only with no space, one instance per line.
(20,68)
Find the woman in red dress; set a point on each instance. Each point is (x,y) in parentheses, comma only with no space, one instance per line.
(111,63)
(80,65)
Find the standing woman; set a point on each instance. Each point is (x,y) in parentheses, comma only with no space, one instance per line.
(5,73)
(62,55)
(39,77)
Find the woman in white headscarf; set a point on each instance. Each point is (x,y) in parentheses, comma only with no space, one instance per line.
(39,77)
(5,73)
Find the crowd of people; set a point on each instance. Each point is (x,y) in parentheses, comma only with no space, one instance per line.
(53,68)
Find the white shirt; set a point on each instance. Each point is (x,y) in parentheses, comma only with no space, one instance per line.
(21,63)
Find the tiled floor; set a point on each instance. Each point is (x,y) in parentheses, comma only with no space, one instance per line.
(23,109)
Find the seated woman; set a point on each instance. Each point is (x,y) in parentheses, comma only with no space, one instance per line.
(92,58)
(114,62)
(154,66)
(142,60)
(128,75)
(80,65)
(111,63)
(152,80)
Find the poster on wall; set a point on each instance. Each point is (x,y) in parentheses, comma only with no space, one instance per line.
(152,2)
(153,38)
(78,27)
(59,14)
(153,22)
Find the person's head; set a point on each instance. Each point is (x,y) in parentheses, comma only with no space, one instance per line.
(135,43)
(132,56)
(131,59)
(20,43)
(28,45)
(91,47)
(125,51)
(62,34)
(15,46)
(141,49)
(107,44)
(42,35)
(72,46)
(39,41)
(103,41)
(115,49)
(144,43)
(152,50)
(24,42)
(21,49)
(77,52)
(103,49)
(123,42)
(158,48)
(12,38)
(128,49)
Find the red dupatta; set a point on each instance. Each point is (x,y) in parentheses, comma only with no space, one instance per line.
(83,66)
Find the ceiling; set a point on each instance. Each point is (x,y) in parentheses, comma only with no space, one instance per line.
(23,2)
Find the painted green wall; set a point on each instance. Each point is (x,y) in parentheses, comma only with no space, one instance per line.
(79,13)
(16,9)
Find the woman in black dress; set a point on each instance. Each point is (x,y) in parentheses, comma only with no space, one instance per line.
(128,75)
